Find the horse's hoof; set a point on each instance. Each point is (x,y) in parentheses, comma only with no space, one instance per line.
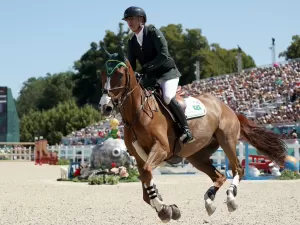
(165,214)
(175,212)
(231,205)
(210,208)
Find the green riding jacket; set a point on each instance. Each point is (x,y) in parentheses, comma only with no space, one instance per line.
(153,55)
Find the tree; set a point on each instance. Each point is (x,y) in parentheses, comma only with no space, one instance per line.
(45,92)
(29,95)
(57,122)
(293,51)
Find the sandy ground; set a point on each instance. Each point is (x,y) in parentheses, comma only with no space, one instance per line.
(30,194)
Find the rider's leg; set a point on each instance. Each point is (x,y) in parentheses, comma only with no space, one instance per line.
(169,88)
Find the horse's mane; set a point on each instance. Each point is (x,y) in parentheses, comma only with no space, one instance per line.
(131,72)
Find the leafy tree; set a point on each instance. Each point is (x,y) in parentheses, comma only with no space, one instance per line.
(30,93)
(190,46)
(58,89)
(57,122)
(217,61)
(293,51)
(45,92)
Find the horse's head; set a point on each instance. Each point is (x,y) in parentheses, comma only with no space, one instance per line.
(117,81)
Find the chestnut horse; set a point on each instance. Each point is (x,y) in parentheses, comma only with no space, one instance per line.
(151,134)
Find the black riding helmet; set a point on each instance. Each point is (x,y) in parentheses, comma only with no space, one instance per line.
(134,11)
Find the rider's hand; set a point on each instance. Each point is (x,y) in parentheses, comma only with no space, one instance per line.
(144,69)
(138,75)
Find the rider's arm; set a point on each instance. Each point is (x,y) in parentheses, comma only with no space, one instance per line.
(161,48)
(131,56)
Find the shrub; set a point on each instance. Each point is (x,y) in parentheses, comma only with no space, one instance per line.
(63,162)
(288,175)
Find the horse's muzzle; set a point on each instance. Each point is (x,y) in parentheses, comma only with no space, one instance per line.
(107,109)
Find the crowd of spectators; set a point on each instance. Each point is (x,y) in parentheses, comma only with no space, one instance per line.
(267,95)
(91,135)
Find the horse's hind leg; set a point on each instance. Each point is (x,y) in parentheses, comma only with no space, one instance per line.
(201,161)
(228,143)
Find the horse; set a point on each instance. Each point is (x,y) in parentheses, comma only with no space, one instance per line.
(151,134)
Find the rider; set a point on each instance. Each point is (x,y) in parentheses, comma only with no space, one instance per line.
(150,48)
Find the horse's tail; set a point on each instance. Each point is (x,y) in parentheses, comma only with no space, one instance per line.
(264,140)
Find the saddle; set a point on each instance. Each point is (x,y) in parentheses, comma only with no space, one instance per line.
(158,94)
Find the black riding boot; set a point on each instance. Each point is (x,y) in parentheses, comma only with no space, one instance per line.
(179,115)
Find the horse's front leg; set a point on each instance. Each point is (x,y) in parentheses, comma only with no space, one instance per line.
(145,176)
(156,157)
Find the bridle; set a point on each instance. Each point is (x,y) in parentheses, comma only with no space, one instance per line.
(119,99)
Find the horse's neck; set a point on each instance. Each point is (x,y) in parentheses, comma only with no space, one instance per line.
(132,105)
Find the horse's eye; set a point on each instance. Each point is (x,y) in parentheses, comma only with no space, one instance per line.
(120,75)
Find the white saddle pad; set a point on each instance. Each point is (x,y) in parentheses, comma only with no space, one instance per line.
(194,108)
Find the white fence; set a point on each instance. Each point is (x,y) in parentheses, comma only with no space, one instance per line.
(17,153)
(76,153)
(83,153)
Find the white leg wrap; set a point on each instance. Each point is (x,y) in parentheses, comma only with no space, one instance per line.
(154,200)
(236,180)
(231,194)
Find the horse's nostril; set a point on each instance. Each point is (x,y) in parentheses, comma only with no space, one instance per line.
(108,109)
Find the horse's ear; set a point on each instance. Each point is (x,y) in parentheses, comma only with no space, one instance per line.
(121,51)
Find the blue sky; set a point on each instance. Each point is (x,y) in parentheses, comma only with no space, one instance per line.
(37,37)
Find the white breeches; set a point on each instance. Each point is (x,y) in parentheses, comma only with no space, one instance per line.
(169,88)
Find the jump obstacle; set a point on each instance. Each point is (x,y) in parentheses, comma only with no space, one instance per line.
(259,161)
(42,156)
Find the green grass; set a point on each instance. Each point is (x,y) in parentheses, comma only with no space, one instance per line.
(63,162)
(288,175)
